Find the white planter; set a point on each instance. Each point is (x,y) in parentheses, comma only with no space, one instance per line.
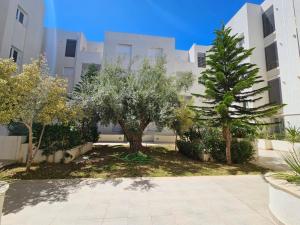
(284,201)
(3,188)
(264,144)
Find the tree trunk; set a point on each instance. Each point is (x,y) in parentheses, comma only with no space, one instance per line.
(30,149)
(135,142)
(40,142)
(228,139)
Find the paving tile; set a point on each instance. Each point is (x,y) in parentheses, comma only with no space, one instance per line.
(163,220)
(230,200)
(117,221)
(140,221)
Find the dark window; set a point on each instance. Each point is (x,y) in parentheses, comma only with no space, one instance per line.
(268,22)
(71,48)
(201,60)
(13,54)
(21,18)
(271,56)
(275,91)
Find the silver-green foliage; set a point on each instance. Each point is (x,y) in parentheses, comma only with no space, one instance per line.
(132,98)
(292,158)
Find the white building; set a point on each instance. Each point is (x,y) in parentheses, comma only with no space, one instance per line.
(272,28)
(21,29)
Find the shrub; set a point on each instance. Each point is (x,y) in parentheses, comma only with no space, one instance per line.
(242,130)
(292,158)
(190,149)
(241,151)
(58,137)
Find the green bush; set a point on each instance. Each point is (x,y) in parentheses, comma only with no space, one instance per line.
(58,136)
(241,151)
(242,130)
(190,149)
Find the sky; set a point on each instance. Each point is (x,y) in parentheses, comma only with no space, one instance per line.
(188,21)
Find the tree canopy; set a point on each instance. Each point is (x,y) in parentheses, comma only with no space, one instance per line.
(132,98)
(230,83)
(32,96)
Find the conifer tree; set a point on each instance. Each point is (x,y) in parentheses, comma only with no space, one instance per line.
(230,84)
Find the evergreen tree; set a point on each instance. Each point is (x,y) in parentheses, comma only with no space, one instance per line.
(229,85)
(86,77)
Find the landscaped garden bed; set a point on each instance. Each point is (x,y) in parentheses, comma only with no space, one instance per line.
(284,197)
(109,162)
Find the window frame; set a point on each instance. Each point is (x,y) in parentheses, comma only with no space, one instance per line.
(21,14)
(270,65)
(278,91)
(268,20)
(19,56)
(71,54)
(201,63)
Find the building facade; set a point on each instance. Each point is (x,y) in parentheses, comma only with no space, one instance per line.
(272,28)
(21,29)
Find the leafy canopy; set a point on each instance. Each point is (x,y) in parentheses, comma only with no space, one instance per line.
(31,96)
(132,98)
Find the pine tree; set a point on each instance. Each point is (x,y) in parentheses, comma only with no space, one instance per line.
(229,85)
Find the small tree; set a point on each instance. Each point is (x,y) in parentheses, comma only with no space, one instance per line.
(132,98)
(32,96)
(229,85)
(90,118)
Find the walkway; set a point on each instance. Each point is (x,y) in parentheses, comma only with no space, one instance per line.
(271,159)
(230,200)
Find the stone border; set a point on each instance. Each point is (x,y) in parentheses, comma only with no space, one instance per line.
(283,185)
(284,200)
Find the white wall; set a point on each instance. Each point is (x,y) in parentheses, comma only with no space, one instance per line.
(26,37)
(248,21)
(55,46)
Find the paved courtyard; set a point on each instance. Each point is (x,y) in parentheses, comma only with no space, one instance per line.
(230,200)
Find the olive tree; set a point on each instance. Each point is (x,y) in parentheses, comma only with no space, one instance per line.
(132,98)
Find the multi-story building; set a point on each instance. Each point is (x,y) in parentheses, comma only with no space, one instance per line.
(21,32)
(21,29)
(272,28)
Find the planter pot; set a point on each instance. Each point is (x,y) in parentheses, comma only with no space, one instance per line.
(3,188)
(264,144)
(206,157)
(284,201)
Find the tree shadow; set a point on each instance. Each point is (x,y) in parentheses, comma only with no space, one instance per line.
(141,185)
(30,193)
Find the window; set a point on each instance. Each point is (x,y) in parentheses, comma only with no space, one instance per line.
(16,55)
(20,16)
(71,48)
(124,53)
(271,56)
(268,22)
(242,42)
(85,67)
(201,60)
(155,53)
(275,91)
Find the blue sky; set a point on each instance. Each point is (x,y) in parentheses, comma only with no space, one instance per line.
(189,21)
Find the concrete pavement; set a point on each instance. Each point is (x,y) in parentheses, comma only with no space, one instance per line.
(228,200)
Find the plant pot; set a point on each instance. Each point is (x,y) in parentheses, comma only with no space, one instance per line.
(3,188)
(206,157)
